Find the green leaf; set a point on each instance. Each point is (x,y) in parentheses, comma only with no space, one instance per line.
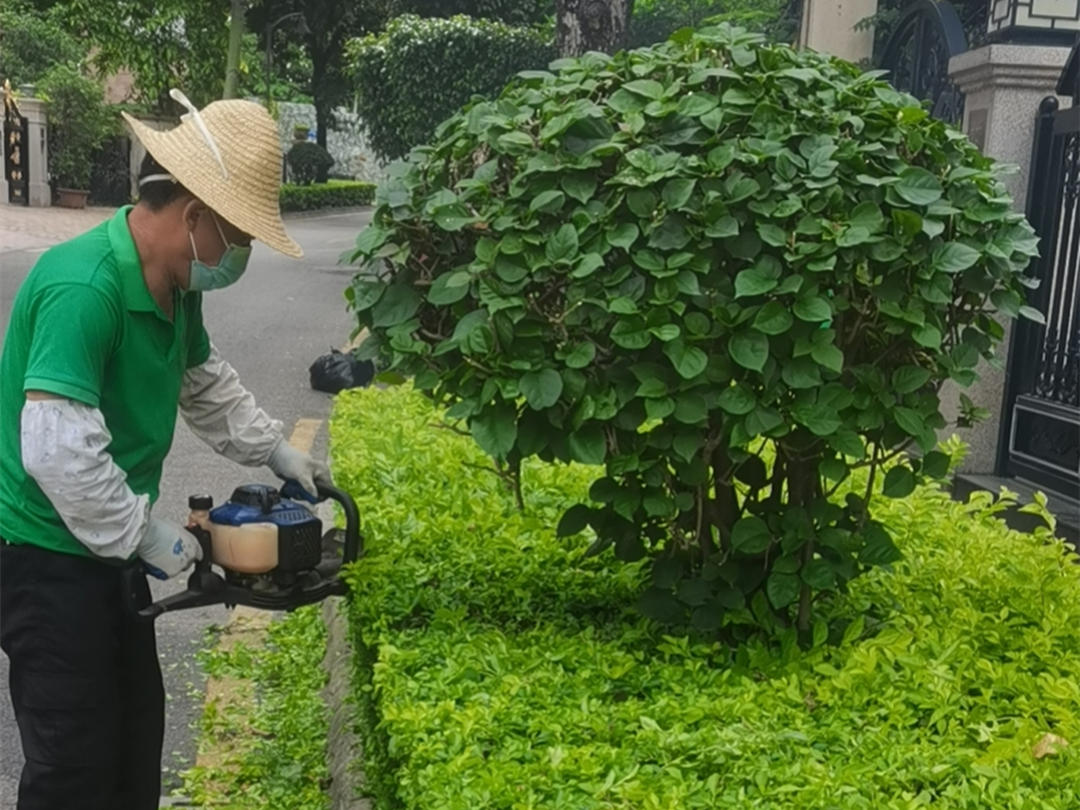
(581,355)
(867,215)
(689,361)
(495,430)
(449,288)
(453,217)
(366,294)
(677,192)
(829,356)
(782,589)
(750,535)
(580,186)
(954,257)
(641,202)
(666,332)
(773,318)
(623,235)
(849,443)
(589,264)
(813,309)
(899,482)
(691,409)
(562,246)
(542,389)
(855,235)
(910,421)
(737,400)
(547,201)
(935,464)
(879,549)
(908,223)
(588,445)
(753,281)
(772,234)
(801,372)
(818,419)
(818,574)
(918,186)
(697,104)
(928,336)
(573,521)
(630,334)
(907,379)
(723,228)
(648,88)
(399,303)
(750,349)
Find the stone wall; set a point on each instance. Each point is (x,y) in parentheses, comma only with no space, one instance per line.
(346,144)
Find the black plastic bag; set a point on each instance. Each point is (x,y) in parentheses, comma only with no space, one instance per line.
(335,372)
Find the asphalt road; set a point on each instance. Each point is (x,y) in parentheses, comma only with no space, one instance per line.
(271,325)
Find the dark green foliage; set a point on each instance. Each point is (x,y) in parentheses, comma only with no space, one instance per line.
(731,273)
(654,21)
(307,161)
(418,72)
(79,122)
(335,194)
(31,42)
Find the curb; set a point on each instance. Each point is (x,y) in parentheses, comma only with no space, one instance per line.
(326,212)
(343,747)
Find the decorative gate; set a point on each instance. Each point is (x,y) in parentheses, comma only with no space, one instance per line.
(16,138)
(1041,424)
(917,56)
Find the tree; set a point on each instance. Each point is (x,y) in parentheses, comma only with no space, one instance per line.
(591,25)
(236,38)
(736,275)
(32,42)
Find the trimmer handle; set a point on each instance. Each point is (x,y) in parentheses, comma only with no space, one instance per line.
(353,546)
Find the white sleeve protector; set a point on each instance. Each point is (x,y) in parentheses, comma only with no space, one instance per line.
(64,450)
(221,412)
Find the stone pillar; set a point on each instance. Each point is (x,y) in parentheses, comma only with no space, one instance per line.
(1003,85)
(829,26)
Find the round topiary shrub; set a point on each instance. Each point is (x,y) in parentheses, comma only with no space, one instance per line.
(307,162)
(730,272)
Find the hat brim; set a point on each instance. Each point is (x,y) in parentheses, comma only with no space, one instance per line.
(178,153)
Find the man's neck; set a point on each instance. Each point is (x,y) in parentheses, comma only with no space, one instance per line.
(157,272)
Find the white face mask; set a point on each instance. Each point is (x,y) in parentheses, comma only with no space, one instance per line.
(230,266)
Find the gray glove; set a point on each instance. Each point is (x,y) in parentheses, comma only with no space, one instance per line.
(292,465)
(166,549)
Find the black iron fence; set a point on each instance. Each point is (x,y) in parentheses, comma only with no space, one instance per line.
(1041,428)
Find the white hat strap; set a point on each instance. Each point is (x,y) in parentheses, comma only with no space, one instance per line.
(193,114)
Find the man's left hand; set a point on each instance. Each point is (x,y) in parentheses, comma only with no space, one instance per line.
(291,464)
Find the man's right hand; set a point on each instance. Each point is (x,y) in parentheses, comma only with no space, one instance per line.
(167,549)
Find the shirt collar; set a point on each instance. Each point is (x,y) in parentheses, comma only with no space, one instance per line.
(136,296)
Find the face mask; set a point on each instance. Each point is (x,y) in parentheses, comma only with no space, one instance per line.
(230,266)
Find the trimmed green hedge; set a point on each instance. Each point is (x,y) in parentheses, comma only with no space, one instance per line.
(418,72)
(499,668)
(335,194)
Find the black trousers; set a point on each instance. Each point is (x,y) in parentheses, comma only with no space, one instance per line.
(85,682)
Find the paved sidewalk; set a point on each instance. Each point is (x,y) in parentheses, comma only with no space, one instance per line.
(23,228)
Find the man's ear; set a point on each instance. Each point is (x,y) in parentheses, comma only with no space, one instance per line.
(193,209)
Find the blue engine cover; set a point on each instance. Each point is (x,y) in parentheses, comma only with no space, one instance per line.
(259,503)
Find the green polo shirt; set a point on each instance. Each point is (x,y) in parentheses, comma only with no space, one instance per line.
(84,326)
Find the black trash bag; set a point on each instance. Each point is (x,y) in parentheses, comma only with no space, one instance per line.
(335,372)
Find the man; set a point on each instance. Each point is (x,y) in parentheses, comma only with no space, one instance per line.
(106,343)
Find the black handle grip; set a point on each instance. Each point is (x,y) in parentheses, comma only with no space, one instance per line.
(353,545)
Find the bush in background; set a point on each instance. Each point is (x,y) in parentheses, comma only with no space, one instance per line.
(653,21)
(730,272)
(79,122)
(308,162)
(498,667)
(418,72)
(335,194)
(31,42)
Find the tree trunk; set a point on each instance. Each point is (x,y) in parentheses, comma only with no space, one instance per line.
(319,99)
(591,25)
(236,36)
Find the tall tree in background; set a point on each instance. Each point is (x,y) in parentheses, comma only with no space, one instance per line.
(236,38)
(591,25)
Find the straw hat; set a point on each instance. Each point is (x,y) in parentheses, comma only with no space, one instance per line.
(227,155)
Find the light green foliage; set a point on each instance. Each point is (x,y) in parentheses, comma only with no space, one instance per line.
(333,194)
(284,768)
(732,273)
(498,669)
(416,73)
